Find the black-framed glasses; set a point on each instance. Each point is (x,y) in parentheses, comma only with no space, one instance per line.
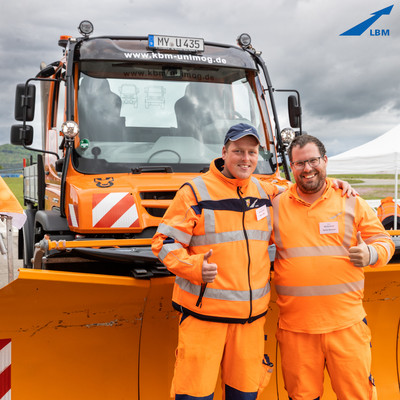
(312,162)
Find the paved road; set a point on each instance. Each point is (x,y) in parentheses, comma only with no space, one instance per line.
(376,182)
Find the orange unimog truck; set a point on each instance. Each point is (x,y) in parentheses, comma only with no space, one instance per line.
(125,122)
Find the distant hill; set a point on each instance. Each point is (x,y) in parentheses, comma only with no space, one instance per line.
(11,156)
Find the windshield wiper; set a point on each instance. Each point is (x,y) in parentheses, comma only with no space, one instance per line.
(155,168)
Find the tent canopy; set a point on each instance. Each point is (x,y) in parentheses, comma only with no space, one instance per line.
(381,155)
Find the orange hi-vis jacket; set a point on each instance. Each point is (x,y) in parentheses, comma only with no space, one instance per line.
(233,218)
(386,210)
(319,289)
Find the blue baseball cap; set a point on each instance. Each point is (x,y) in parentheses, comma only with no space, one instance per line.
(238,131)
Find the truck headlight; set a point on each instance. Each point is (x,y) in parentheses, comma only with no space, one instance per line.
(85,28)
(69,129)
(244,40)
(287,135)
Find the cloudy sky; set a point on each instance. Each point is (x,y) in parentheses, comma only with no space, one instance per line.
(349,85)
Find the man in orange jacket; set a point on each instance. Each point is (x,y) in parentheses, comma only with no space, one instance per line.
(386,213)
(319,279)
(214,238)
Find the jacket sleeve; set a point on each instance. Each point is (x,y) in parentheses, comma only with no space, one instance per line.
(373,233)
(171,241)
(272,189)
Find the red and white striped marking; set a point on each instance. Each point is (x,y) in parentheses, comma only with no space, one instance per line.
(114,210)
(5,369)
(73,215)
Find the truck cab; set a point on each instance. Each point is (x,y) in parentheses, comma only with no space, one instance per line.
(127,121)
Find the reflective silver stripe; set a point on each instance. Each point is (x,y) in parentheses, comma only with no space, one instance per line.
(261,191)
(349,214)
(281,189)
(277,231)
(174,233)
(209,221)
(263,195)
(373,239)
(316,251)
(387,248)
(209,215)
(167,248)
(222,294)
(233,236)
(201,188)
(326,290)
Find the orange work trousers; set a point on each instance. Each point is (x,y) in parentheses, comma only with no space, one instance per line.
(204,347)
(345,353)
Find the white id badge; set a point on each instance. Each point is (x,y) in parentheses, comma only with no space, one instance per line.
(261,212)
(328,227)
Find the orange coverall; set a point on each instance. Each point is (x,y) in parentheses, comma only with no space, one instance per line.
(320,292)
(233,218)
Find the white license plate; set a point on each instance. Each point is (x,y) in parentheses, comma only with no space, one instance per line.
(176,43)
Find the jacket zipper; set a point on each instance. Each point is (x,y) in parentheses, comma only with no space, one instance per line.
(248,251)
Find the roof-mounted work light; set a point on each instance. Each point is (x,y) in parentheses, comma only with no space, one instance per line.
(244,40)
(69,129)
(85,28)
(287,135)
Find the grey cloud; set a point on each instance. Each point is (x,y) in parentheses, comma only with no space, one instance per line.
(347,84)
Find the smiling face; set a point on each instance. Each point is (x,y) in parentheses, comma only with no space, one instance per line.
(311,181)
(240,157)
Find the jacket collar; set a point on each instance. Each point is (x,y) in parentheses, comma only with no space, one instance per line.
(293,192)
(216,168)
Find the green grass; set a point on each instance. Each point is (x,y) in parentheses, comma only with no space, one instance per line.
(16,186)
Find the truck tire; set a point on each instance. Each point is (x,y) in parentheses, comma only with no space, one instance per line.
(28,238)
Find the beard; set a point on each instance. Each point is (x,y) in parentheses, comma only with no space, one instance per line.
(314,185)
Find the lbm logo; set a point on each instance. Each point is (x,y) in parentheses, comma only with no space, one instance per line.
(359,29)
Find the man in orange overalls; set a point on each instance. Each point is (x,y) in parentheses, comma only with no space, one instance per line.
(215,234)
(323,241)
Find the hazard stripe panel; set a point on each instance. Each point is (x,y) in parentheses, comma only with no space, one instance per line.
(5,369)
(114,210)
(73,215)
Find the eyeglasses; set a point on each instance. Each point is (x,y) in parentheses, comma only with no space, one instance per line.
(312,162)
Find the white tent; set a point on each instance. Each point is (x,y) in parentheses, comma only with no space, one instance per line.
(381,155)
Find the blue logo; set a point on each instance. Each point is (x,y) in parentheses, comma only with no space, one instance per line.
(359,29)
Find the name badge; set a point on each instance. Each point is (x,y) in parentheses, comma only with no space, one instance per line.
(328,227)
(262,212)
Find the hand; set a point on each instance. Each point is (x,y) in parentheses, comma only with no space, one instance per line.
(359,255)
(347,189)
(209,270)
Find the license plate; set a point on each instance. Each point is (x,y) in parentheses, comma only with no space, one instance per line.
(187,44)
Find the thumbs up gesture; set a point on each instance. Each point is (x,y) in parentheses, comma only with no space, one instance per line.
(359,254)
(209,270)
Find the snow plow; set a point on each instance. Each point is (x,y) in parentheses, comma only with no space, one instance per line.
(90,314)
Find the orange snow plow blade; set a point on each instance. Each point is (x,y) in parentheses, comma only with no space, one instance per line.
(86,336)
(92,336)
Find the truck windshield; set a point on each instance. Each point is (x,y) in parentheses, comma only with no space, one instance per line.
(144,116)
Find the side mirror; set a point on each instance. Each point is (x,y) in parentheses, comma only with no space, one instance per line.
(21,135)
(294,112)
(25,102)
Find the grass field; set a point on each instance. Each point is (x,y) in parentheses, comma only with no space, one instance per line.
(15,184)
(367,192)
